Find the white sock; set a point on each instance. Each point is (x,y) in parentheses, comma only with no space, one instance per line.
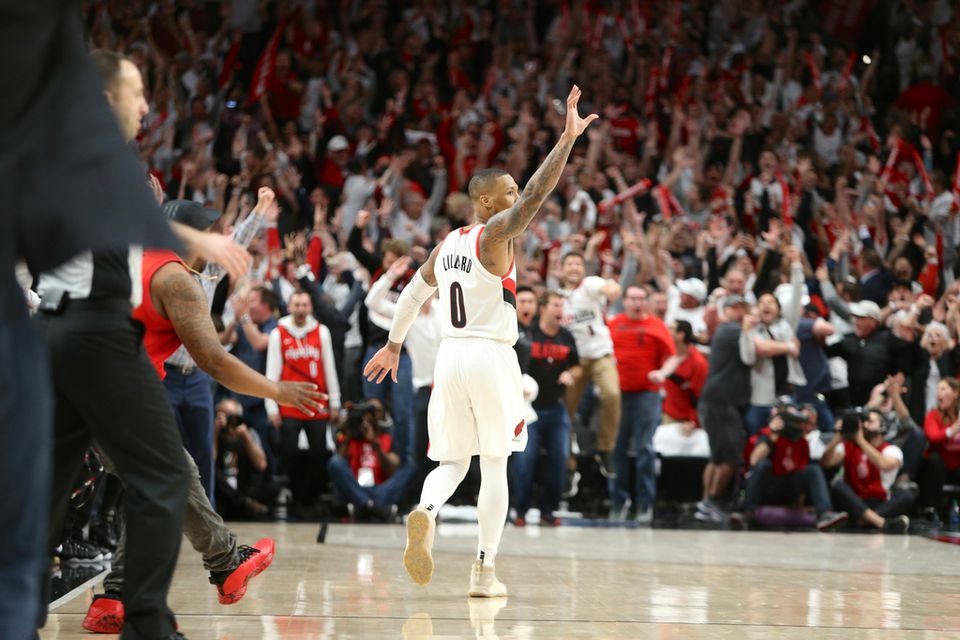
(492,505)
(486,556)
(440,484)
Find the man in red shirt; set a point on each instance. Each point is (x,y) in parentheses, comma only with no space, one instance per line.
(300,349)
(781,471)
(682,377)
(642,344)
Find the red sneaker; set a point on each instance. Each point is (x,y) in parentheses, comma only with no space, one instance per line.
(232,585)
(105,615)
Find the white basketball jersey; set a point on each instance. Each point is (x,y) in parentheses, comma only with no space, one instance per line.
(474,303)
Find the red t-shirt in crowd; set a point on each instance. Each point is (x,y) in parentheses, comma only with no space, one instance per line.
(641,346)
(786,456)
(686,380)
(936,431)
(284,101)
(861,474)
(926,95)
(361,455)
(160,339)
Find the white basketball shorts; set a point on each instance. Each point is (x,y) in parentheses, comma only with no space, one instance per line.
(477,403)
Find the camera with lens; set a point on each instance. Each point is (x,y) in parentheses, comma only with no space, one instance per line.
(233,421)
(793,419)
(356,413)
(851,421)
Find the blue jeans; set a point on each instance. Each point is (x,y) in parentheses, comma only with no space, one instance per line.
(385,494)
(401,401)
(191,397)
(756,417)
(765,487)
(638,423)
(552,432)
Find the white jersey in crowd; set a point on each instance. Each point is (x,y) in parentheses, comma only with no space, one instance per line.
(583,316)
(474,303)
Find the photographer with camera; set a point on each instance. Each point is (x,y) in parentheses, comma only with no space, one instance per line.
(870,467)
(781,470)
(366,473)
(243,490)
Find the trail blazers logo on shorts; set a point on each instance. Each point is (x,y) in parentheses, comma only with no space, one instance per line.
(519,430)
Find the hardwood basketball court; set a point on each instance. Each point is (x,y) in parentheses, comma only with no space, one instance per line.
(575,582)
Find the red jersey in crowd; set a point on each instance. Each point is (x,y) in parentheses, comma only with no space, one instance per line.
(684,386)
(936,431)
(641,346)
(302,354)
(160,339)
(786,456)
(364,460)
(861,474)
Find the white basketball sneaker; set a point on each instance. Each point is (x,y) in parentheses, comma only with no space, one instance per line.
(484,583)
(418,556)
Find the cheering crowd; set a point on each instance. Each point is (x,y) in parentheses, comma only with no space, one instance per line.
(750,258)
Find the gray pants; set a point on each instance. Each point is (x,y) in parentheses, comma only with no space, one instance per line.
(203,527)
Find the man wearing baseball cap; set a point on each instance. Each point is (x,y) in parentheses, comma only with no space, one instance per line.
(685,302)
(872,352)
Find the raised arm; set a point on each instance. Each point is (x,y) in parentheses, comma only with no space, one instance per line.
(508,224)
(421,286)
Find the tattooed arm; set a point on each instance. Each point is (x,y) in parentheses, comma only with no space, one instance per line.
(506,225)
(179,298)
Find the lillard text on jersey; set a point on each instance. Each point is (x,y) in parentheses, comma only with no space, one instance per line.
(462,263)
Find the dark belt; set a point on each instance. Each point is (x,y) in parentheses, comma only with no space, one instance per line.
(184,370)
(88,305)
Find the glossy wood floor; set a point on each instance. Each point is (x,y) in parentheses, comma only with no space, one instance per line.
(574,582)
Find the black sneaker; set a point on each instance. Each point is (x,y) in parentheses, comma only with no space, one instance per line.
(103,534)
(830,519)
(605,461)
(78,551)
(899,525)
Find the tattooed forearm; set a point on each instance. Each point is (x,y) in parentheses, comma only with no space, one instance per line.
(512,222)
(186,307)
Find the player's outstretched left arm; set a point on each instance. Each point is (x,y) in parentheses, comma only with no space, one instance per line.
(509,224)
(418,290)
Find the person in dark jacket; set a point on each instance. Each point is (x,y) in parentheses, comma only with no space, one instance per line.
(872,352)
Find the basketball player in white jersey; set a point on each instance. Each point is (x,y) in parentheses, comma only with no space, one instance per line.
(477,405)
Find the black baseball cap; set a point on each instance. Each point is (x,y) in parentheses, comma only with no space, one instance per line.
(190,213)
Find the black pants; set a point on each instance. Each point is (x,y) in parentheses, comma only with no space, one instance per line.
(306,480)
(105,388)
(26,416)
(913,443)
(933,475)
(845,499)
